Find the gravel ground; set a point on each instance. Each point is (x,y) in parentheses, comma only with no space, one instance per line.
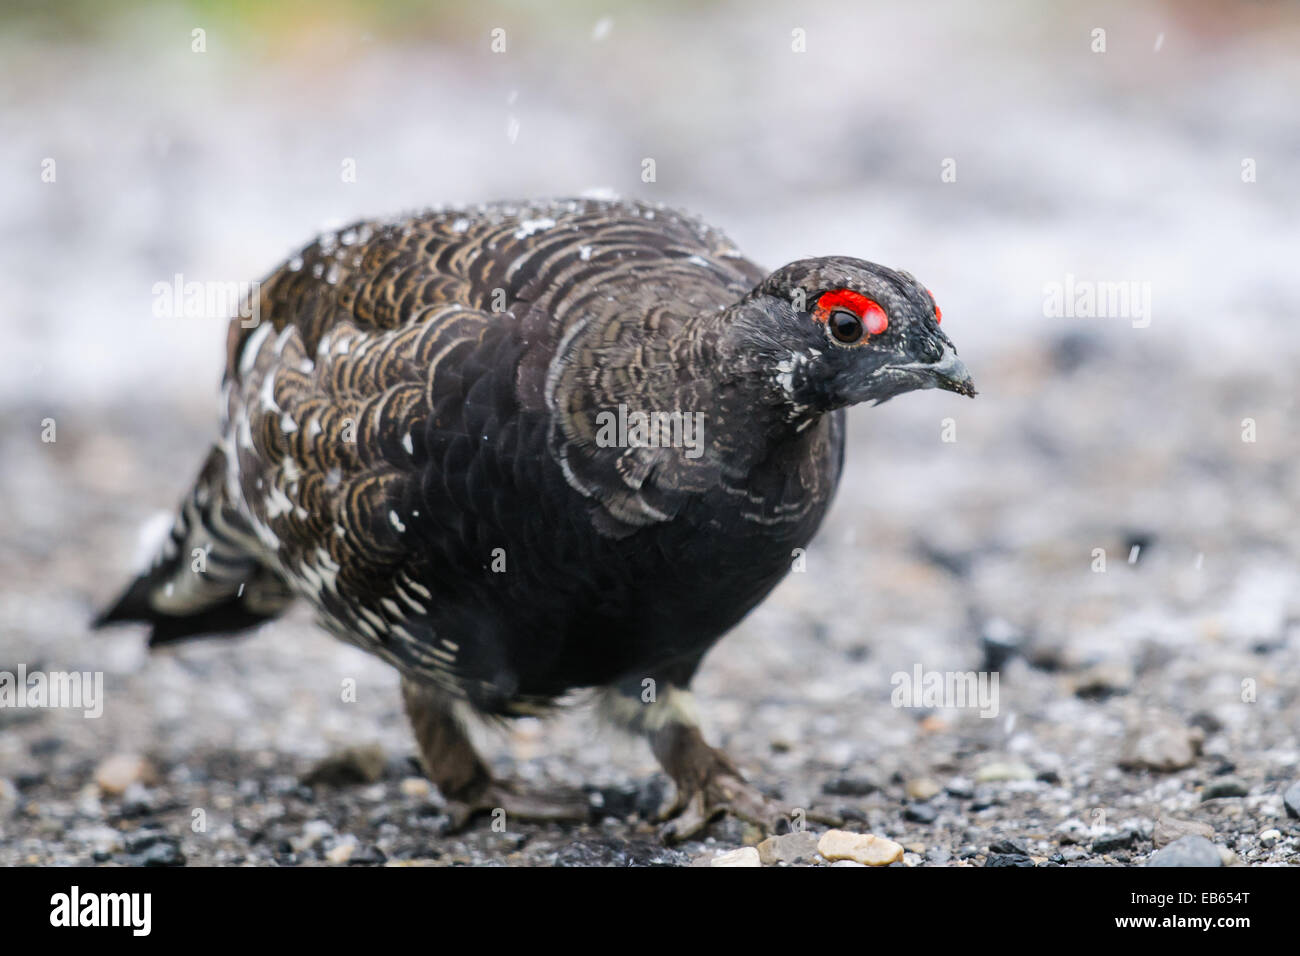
(1108,681)
(1160,689)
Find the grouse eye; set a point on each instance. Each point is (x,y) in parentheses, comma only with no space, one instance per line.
(845,326)
(850,316)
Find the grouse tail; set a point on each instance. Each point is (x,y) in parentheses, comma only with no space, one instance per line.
(207,577)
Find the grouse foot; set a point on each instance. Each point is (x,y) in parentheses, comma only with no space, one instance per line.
(708,785)
(512,800)
(464,780)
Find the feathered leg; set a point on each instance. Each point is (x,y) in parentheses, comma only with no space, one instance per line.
(708,784)
(463,778)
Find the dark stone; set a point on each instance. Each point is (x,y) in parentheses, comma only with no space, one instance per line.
(1008,859)
(1114,841)
(1225,788)
(367,856)
(920,813)
(652,794)
(144,838)
(164,854)
(135,809)
(642,799)
(1009,846)
(1000,643)
(154,848)
(850,786)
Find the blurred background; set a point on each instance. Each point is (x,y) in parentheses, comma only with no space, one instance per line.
(993,150)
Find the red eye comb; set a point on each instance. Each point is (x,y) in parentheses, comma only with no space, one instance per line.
(938,313)
(869,311)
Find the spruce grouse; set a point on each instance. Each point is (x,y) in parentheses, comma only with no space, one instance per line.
(517,450)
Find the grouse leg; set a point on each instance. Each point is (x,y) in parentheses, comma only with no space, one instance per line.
(708,784)
(463,778)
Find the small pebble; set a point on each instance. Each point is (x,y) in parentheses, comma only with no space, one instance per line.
(313,832)
(118,772)
(788,848)
(961,788)
(920,813)
(160,854)
(864,848)
(1004,770)
(1223,788)
(1111,842)
(1158,742)
(1018,847)
(851,786)
(1103,681)
(342,851)
(1169,829)
(367,856)
(922,788)
(416,787)
(745,856)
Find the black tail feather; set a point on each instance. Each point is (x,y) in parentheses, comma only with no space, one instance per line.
(228,617)
(207,578)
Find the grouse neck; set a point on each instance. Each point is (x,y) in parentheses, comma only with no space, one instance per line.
(745,370)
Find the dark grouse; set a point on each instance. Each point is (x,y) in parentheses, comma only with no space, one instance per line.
(520,449)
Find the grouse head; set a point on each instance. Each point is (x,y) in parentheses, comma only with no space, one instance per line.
(837,331)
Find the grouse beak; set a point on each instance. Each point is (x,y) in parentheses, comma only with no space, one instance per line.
(949,373)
